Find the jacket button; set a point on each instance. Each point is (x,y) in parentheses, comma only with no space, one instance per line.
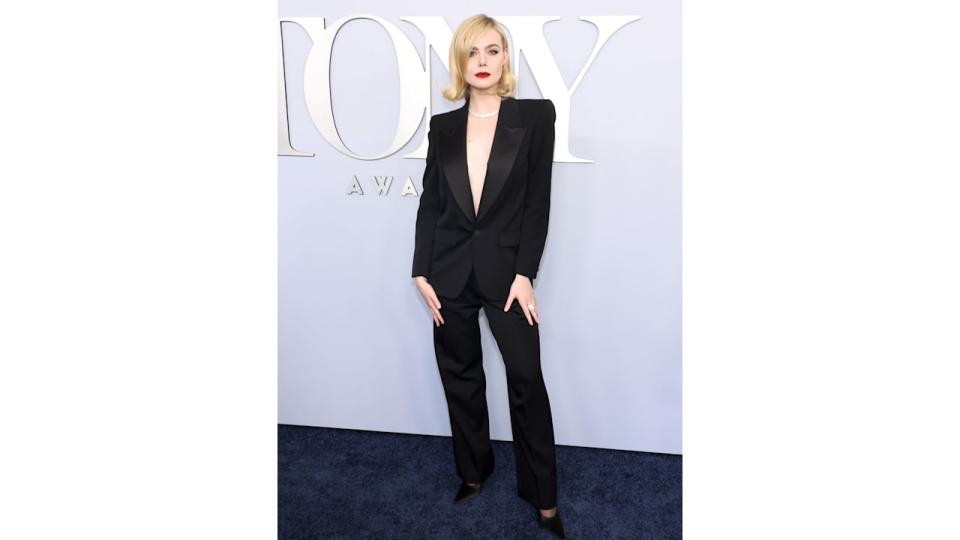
(476,232)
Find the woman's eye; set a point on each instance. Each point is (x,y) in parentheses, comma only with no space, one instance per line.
(493,52)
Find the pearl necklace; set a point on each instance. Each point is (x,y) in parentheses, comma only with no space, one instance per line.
(483,115)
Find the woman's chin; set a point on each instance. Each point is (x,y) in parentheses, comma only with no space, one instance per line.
(483,85)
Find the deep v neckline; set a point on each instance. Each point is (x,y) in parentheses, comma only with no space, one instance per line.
(507,142)
(466,153)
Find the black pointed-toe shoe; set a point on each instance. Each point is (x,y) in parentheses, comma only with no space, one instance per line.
(467,491)
(552,524)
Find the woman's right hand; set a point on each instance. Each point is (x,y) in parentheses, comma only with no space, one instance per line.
(430,298)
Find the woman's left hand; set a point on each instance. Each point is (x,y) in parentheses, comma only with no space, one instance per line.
(522,291)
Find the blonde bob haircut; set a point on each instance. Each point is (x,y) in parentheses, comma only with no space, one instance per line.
(464,37)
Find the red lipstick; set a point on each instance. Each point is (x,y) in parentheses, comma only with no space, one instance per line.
(482,74)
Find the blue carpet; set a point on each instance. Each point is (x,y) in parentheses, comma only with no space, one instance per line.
(339,483)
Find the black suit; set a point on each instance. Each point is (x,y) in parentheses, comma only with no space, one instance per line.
(471,262)
(507,235)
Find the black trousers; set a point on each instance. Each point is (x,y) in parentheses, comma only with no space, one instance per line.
(460,360)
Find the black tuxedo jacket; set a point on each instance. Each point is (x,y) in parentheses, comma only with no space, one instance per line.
(507,234)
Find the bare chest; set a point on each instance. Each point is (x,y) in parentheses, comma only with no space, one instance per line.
(479,142)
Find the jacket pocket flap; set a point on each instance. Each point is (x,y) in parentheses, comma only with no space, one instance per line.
(509,238)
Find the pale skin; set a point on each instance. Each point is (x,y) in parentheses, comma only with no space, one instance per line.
(490,55)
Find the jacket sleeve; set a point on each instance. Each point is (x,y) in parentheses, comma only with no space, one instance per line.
(536,206)
(429,210)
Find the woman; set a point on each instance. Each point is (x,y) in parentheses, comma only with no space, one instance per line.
(480,233)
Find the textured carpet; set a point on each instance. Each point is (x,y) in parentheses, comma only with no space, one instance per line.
(339,483)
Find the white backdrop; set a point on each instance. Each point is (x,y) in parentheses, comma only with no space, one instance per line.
(355,340)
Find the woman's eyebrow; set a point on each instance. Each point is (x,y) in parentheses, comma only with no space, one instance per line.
(487,47)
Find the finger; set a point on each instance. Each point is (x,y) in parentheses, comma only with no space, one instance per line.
(437,309)
(526,312)
(536,315)
(437,315)
(436,301)
(509,300)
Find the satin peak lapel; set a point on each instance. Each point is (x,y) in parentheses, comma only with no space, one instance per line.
(507,137)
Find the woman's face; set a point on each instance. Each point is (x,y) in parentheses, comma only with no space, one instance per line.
(485,61)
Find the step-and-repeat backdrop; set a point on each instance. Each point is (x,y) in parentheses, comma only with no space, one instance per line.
(357,89)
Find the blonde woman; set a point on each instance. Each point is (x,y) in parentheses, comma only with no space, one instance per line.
(480,232)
